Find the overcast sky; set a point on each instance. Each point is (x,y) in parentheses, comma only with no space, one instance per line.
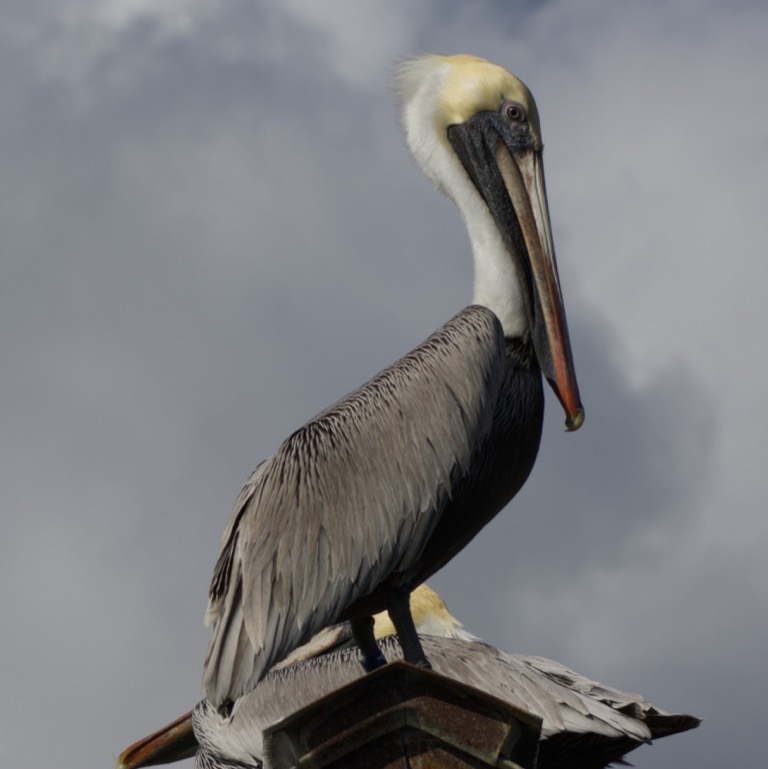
(211,229)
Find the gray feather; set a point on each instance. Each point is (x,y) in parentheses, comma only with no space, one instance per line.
(349,500)
(584,722)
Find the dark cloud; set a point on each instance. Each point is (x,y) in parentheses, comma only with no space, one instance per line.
(181,208)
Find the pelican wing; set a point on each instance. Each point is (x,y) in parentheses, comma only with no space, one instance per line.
(349,500)
(566,701)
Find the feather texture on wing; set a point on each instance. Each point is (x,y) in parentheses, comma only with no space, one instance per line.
(350,500)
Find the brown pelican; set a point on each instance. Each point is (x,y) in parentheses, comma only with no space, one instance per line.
(379,491)
(584,723)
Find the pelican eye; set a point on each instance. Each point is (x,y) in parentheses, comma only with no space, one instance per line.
(514,112)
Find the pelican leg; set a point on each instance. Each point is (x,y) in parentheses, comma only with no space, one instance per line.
(362,630)
(400,614)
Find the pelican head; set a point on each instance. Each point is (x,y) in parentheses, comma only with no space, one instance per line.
(430,616)
(474,129)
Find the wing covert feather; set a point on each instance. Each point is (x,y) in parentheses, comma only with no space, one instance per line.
(349,499)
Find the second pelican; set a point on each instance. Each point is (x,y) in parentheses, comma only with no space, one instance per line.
(375,494)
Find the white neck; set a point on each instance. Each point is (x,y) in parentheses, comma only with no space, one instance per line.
(497,286)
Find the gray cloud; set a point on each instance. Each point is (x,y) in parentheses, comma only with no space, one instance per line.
(211,230)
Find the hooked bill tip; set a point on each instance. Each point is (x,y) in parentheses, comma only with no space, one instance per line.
(573,423)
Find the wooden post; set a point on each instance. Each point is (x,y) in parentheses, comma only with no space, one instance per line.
(403,717)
